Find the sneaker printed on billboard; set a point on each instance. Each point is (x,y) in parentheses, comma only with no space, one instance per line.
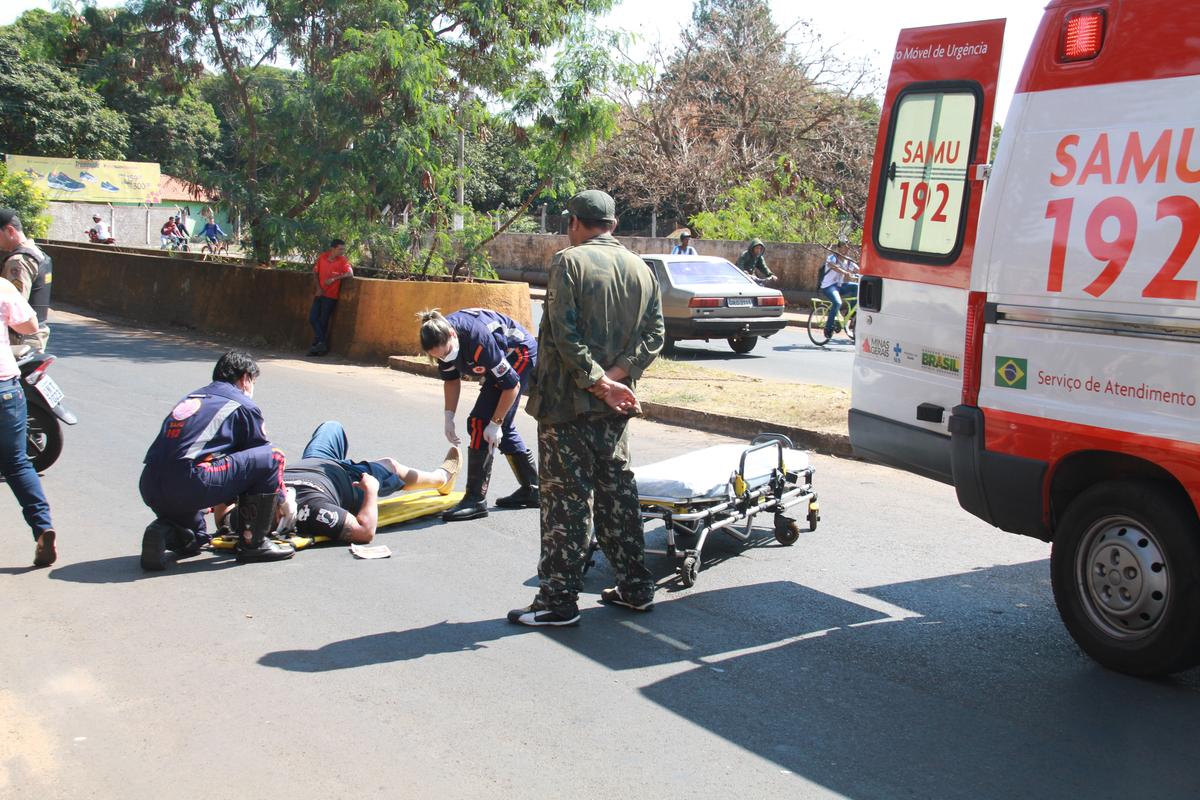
(1011,373)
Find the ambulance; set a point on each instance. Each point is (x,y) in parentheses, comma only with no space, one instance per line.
(1028,327)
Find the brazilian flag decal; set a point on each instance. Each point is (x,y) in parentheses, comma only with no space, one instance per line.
(1011,373)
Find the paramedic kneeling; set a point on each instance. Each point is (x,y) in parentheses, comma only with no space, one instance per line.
(211,450)
(338,498)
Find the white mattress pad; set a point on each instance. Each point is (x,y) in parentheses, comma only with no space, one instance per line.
(706,473)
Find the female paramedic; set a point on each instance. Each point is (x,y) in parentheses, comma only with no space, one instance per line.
(485,344)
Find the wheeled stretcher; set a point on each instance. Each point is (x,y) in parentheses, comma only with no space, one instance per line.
(725,488)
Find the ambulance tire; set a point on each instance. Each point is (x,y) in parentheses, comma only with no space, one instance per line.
(742,344)
(1125,569)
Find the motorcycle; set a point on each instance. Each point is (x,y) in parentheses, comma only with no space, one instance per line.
(94,238)
(43,407)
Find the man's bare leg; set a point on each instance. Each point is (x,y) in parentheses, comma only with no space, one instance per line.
(441,478)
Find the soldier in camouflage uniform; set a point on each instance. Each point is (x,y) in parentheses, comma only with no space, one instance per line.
(29,269)
(602,326)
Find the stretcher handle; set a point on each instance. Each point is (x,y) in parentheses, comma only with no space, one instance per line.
(754,448)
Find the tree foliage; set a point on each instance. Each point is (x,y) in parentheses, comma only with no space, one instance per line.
(734,95)
(369,110)
(783,207)
(26,199)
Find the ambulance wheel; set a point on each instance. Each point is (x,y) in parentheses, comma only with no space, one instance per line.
(787,531)
(689,571)
(742,344)
(43,437)
(1125,568)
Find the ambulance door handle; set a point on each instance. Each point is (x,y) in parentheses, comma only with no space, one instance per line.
(870,293)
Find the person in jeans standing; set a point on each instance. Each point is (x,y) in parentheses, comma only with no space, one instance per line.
(331,269)
(18,472)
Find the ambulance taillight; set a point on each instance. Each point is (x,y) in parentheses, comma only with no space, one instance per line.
(972,368)
(1083,35)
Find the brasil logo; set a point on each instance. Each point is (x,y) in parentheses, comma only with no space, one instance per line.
(1011,372)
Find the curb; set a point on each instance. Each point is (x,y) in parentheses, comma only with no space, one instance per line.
(831,444)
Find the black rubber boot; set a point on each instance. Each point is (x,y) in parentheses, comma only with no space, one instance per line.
(474,503)
(154,545)
(256,513)
(525,468)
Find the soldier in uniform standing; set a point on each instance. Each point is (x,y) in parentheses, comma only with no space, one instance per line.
(601,328)
(29,269)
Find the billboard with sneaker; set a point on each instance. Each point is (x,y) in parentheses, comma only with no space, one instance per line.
(69,179)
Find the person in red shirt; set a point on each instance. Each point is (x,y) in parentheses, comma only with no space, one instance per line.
(331,269)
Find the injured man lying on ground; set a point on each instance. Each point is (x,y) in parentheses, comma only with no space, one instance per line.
(332,497)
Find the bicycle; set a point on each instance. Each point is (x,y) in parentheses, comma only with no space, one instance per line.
(220,247)
(845,321)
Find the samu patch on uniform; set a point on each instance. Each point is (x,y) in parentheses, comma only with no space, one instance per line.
(186,408)
(501,369)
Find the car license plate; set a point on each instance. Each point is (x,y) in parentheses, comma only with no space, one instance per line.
(48,389)
(739,302)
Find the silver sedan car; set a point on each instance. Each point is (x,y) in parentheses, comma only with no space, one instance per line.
(706,297)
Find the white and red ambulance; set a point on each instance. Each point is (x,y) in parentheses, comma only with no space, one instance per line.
(1029,331)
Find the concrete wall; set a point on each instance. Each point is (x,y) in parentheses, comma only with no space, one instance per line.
(374,319)
(136,226)
(526,256)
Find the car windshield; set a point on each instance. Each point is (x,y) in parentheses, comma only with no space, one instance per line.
(714,271)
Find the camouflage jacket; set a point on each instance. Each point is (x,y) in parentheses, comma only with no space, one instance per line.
(602,310)
(21,270)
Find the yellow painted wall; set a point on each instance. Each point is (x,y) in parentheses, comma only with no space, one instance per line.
(374,318)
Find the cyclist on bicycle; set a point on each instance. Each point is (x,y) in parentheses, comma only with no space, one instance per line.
(839,282)
(212,232)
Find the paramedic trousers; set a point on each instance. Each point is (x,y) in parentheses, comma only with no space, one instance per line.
(180,493)
(584,465)
(329,441)
(522,360)
(18,472)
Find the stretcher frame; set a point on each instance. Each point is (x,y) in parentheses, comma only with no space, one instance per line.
(696,518)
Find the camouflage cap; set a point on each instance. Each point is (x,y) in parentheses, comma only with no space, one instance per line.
(593,205)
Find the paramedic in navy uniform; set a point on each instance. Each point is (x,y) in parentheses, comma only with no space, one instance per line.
(211,450)
(482,343)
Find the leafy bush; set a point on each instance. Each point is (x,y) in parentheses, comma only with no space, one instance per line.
(18,193)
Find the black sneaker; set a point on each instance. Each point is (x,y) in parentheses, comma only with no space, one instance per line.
(613,597)
(536,616)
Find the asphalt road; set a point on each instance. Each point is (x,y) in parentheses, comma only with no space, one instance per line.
(787,356)
(904,649)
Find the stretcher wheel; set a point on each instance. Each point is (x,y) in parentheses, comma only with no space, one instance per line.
(689,570)
(787,531)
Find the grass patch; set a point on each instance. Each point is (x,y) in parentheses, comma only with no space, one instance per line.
(802,405)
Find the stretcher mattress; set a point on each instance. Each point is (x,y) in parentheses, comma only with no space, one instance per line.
(705,474)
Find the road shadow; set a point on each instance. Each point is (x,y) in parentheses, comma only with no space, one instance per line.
(88,339)
(126,569)
(705,354)
(967,701)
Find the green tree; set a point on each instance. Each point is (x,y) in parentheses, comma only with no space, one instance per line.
(45,111)
(781,208)
(26,199)
(377,94)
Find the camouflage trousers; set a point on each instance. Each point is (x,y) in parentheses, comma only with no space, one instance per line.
(583,467)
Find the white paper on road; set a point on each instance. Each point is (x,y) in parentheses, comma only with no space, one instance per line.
(370,551)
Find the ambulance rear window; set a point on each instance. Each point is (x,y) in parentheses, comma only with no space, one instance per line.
(922,205)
